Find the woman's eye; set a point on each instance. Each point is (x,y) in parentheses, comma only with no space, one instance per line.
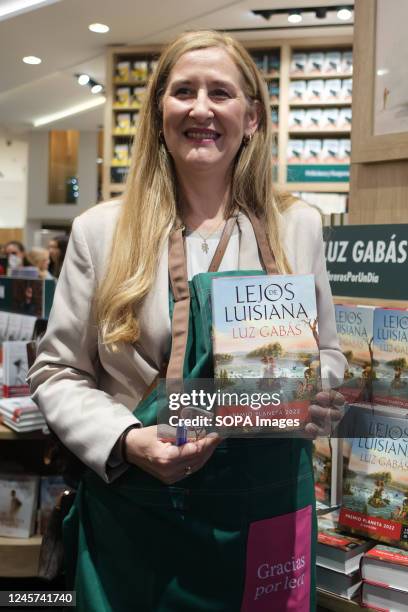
(220,94)
(183,92)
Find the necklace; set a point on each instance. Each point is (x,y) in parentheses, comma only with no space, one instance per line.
(204,244)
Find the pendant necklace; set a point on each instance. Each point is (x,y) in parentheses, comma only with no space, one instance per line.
(204,244)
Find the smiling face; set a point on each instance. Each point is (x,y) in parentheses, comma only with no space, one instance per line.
(205,111)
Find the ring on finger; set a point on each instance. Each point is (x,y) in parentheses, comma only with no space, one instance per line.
(187,470)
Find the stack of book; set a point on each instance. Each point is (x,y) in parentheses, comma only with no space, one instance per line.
(384,571)
(21,414)
(338,558)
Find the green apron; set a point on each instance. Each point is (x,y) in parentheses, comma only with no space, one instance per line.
(237,535)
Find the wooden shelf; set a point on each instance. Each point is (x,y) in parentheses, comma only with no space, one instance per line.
(335,603)
(312,77)
(317,132)
(321,104)
(117,187)
(9,434)
(130,83)
(19,557)
(126,109)
(270,77)
(319,187)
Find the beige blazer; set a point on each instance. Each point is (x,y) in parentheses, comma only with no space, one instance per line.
(85,391)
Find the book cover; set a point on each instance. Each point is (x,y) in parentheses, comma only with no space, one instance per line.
(315,89)
(346,90)
(51,488)
(312,151)
(330,151)
(355,333)
(15,369)
(332,90)
(17,408)
(347,62)
(375,492)
(332,62)
(298,64)
(18,504)
(297,91)
(322,468)
(390,357)
(329,118)
(297,118)
(295,151)
(314,63)
(265,328)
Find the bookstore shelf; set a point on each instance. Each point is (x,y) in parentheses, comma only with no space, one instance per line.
(335,603)
(319,75)
(275,61)
(9,434)
(19,557)
(319,103)
(318,187)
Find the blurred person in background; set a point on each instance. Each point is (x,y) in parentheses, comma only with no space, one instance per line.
(16,250)
(40,258)
(57,248)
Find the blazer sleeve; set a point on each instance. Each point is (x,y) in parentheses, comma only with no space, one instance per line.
(305,248)
(64,378)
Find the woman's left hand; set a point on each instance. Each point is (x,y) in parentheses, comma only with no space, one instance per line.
(325,411)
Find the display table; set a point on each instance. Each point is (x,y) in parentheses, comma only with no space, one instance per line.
(333,602)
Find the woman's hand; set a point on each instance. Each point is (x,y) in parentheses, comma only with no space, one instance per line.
(326,410)
(165,461)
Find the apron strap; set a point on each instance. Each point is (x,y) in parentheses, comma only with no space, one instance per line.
(265,249)
(181,293)
(223,243)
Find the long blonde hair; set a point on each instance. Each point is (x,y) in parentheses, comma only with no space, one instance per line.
(149,208)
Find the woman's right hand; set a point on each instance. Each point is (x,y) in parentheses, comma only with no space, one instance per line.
(165,461)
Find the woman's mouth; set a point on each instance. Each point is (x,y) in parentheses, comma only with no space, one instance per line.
(199,135)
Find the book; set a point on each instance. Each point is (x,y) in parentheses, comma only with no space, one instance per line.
(297,91)
(314,63)
(273,89)
(347,62)
(346,90)
(344,585)
(15,369)
(312,151)
(315,90)
(344,151)
(313,119)
(298,64)
(383,599)
(329,151)
(338,551)
(32,297)
(390,357)
(21,414)
(386,566)
(18,504)
(140,71)
(122,96)
(295,151)
(122,72)
(51,488)
(329,118)
(266,328)
(355,333)
(322,469)
(297,118)
(375,490)
(344,118)
(332,62)
(332,90)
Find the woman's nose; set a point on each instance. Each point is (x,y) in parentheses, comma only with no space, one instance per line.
(201,106)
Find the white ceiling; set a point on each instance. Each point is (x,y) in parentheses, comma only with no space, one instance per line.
(59,34)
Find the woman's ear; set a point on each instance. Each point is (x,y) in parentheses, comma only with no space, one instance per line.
(253,118)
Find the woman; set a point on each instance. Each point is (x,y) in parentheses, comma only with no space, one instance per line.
(40,258)
(57,248)
(182,527)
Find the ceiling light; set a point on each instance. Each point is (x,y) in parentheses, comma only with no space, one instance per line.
(73,110)
(11,8)
(95,89)
(99,28)
(344,14)
(83,79)
(32,59)
(294,17)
